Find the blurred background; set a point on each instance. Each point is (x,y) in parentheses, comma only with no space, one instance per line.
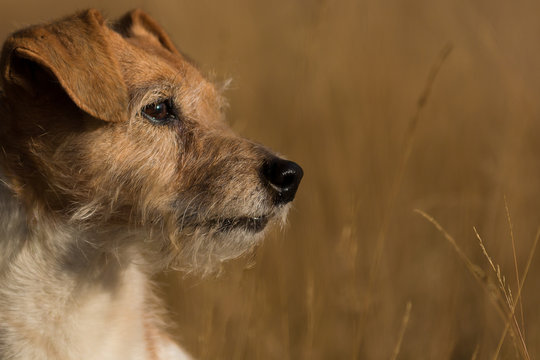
(389,106)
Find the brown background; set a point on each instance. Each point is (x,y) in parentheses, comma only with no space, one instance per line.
(335,86)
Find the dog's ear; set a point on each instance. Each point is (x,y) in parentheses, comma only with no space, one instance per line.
(139,23)
(76,52)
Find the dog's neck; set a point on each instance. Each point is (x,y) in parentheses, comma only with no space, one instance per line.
(56,243)
(48,280)
(76,248)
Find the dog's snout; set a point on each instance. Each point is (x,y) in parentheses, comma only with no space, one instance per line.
(284,177)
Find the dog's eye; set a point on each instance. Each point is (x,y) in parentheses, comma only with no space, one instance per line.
(159,112)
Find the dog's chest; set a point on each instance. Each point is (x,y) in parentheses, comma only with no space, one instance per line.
(111,325)
(46,318)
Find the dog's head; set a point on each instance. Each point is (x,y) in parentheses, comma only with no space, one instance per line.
(111,127)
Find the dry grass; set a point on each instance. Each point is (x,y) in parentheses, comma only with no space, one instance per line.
(335,86)
(500,293)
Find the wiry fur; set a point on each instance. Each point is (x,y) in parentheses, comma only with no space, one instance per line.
(94,197)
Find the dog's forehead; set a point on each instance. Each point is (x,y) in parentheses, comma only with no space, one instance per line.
(143,59)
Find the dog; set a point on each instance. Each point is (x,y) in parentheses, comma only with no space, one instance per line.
(116,163)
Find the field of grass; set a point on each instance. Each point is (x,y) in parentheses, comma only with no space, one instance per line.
(418,128)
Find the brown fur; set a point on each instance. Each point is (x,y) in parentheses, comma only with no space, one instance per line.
(92,188)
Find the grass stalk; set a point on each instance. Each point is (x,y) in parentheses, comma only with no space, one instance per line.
(403,328)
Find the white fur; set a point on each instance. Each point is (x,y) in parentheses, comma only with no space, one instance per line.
(48,312)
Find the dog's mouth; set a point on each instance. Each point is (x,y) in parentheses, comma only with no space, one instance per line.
(224,224)
(250,224)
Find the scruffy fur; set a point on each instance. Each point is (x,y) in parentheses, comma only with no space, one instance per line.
(94,197)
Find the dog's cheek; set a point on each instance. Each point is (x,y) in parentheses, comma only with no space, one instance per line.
(134,167)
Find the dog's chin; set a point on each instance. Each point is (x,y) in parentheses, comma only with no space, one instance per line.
(206,244)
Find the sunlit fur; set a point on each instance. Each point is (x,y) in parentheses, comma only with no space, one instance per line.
(93,199)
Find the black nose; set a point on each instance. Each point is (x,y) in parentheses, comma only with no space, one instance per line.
(284,177)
